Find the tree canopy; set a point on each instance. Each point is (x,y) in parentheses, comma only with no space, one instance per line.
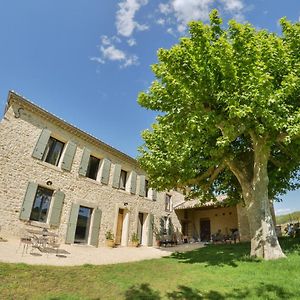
(216,88)
(229,103)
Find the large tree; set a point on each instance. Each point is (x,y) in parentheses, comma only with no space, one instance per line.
(229,103)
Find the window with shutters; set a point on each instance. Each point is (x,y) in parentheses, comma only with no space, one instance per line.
(53,151)
(41,204)
(123,178)
(93,167)
(146,188)
(168,203)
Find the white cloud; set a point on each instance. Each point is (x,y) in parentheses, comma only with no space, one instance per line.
(125,21)
(131,42)
(164,8)
(233,5)
(109,52)
(160,21)
(184,11)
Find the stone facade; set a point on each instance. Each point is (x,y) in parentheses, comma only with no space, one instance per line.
(23,129)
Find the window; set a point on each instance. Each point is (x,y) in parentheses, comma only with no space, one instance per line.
(123,178)
(53,151)
(146,188)
(41,204)
(93,166)
(168,203)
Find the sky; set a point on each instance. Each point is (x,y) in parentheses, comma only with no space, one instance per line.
(86,61)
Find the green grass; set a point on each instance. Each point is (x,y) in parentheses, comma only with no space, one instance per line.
(214,272)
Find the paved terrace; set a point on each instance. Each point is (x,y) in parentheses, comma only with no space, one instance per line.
(11,252)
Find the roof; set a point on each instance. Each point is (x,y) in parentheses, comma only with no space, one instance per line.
(14,97)
(196,203)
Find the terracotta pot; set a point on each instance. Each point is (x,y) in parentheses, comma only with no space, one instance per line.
(110,243)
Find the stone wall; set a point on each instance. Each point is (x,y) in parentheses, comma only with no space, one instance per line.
(19,132)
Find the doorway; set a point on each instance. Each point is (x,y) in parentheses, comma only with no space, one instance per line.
(142,228)
(205,230)
(83,225)
(119,227)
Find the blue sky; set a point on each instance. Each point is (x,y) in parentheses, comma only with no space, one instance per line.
(86,61)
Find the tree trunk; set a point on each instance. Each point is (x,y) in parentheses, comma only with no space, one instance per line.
(254,183)
(264,241)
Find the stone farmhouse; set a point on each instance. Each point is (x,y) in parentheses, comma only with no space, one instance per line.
(56,176)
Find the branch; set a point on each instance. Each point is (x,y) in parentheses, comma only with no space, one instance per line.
(208,177)
(275,162)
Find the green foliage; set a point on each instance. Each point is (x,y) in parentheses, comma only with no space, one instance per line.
(135,238)
(288,218)
(217,91)
(109,235)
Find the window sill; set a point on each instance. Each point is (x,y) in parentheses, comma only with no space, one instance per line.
(38,224)
(93,181)
(45,164)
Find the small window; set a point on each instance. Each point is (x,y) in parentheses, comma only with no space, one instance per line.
(168,203)
(123,178)
(93,167)
(53,151)
(146,188)
(41,204)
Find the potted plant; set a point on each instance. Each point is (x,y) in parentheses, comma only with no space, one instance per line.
(135,241)
(110,239)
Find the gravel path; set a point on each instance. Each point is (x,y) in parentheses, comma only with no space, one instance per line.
(82,254)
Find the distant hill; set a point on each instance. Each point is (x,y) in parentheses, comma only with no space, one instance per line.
(288,218)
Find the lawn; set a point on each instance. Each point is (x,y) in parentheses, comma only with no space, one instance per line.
(214,272)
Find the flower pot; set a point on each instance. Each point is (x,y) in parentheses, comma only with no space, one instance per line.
(110,243)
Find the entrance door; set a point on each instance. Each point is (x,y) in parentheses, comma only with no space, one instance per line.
(119,227)
(140,227)
(83,225)
(205,230)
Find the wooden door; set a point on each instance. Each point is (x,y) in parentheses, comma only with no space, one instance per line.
(205,230)
(119,227)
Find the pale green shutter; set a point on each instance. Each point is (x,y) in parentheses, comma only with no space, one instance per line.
(142,186)
(150,230)
(95,227)
(154,195)
(105,171)
(84,161)
(58,202)
(116,177)
(28,201)
(41,144)
(133,182)
(68,156)
(72,223)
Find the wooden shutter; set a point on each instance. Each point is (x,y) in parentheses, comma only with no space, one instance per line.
(116,177)
(153,194)
(95,227)
(41,144)
(28,201)
(84,161)
(132,187)
(58,202)
(142,186)
(68,156)
(150,230)
(72,223)
(105,170)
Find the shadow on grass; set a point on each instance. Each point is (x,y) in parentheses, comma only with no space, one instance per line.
(216,255)
(142,291)
(263,291)
(230,254)
(290,245)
